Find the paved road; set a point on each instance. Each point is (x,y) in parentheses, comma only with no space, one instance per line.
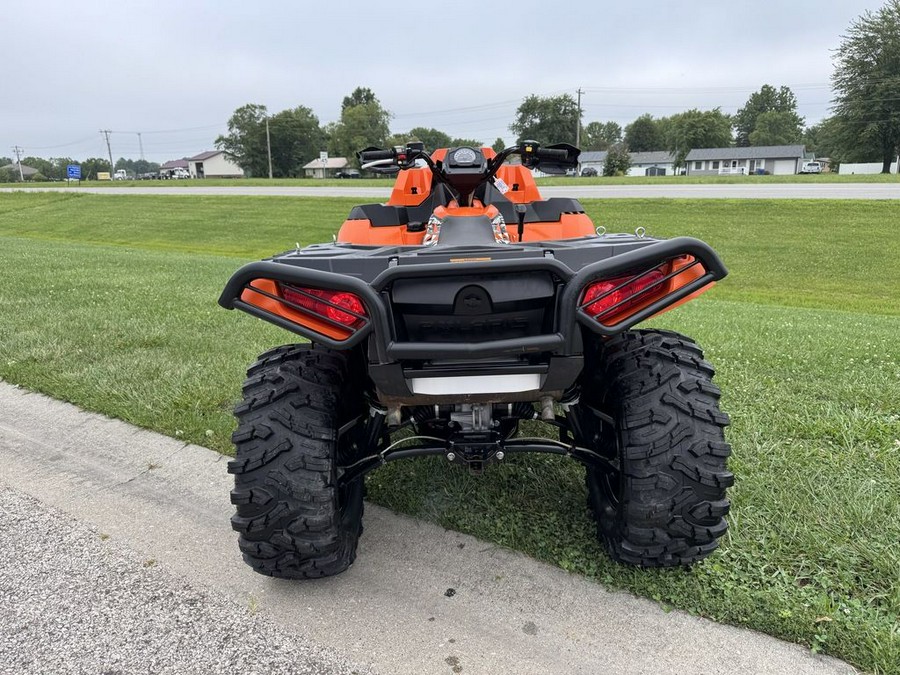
(761,191)
(80,475)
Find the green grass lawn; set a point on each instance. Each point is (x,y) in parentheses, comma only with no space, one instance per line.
(110,304)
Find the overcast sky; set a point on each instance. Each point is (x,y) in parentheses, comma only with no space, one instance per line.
(175,71)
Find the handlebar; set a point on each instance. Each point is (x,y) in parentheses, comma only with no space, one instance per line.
(551,153)
(374,155)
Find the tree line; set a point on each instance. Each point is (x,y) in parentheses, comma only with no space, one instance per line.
(296,136)
(55,168)
(865,126)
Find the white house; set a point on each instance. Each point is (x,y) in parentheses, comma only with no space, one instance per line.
(319,169)
(778,160)
(213,164)
(592,159)
(660,163)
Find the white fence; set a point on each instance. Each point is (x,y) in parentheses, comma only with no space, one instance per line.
(869,167)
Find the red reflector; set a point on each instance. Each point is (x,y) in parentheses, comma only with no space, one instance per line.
(350,301)
(605,297)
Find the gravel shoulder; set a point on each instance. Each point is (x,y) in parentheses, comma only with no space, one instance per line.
(75,600)
(159,499)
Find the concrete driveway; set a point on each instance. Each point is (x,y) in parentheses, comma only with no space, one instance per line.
(119,556)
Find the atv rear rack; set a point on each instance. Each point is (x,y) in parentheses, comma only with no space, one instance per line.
(564,261)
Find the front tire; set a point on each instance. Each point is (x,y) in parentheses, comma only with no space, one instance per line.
(296,521)
(665,506)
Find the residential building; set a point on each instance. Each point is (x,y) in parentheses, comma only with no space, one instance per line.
(778,160)
(660,163)
(213,164)
(593,159)
(319,169)
(174,164)
(27,171)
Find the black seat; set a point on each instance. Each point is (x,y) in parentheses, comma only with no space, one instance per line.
(388,215)
(544,211)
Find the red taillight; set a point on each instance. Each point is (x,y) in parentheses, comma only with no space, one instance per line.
(301,297)
(601,296)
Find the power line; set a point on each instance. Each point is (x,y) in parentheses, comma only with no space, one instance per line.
(63,145)
(220,125)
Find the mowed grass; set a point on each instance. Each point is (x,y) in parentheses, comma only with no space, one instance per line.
(719,180)
(387,181)
(110,304)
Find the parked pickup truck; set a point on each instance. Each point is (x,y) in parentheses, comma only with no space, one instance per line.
(811,167)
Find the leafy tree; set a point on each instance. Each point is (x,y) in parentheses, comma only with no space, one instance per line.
(360,96)
(8,175)
(470,142)
(768,100)
(866,81)
(92,166)
(43,166)
(364,122)
(600,135)
(296,139)
(5,160)
(546,120)
(136,166)
(776,128)
(499,145)
(245,141)
(644,135)
(836,139)
(432,138)
(617,161)
(697,129)
(400,139)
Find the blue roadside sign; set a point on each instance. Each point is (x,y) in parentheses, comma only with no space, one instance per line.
(73,171)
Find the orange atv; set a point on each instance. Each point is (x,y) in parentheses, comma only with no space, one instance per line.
(462,306)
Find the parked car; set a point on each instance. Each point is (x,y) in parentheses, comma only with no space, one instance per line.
(589,171)
(811,167)
(121,174)
(175,173)
(348,173)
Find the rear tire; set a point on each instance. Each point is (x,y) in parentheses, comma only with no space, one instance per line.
(666,506)
(294,520)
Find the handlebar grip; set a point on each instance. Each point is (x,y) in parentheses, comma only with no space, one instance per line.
(552,153)
(374,155)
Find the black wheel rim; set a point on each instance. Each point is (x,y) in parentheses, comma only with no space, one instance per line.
(609,480)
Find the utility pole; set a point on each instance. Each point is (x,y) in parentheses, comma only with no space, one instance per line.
(106,133)
(269,147)
(140,144)
(578,123)
(19,151)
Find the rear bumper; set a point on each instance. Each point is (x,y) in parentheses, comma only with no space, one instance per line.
(560,343)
